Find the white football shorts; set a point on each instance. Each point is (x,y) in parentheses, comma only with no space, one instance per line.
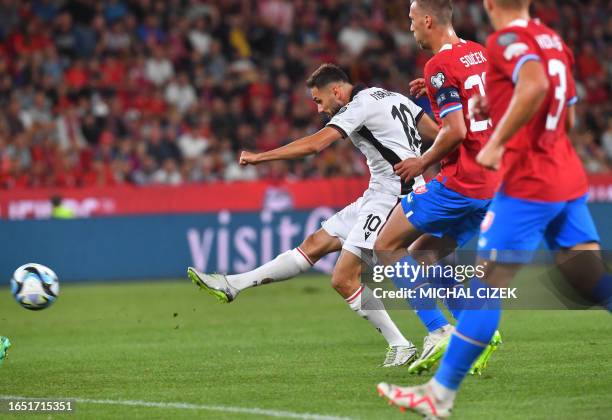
(357,225)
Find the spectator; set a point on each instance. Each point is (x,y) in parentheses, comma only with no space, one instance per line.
(65,36)
(145,174)
(104,93)
(158,68)
(199,37)
(168,173)
(354,38)
(38,114)
(180,93)
(117,39)
(68,130)
(192,143)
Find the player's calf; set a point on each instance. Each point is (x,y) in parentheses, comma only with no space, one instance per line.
(285,266)
(584,269)
(346,280)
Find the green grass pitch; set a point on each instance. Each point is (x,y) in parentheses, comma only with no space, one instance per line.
(291,347)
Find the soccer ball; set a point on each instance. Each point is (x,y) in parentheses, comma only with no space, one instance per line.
(34,286)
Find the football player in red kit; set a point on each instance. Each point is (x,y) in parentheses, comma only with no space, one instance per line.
(447,212)
(531,95)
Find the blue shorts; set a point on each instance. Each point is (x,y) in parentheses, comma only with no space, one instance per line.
(514,227)
(440,211)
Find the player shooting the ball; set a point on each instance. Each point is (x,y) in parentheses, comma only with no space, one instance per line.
(387,128)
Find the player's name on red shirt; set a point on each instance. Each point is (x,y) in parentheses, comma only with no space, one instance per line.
(473,59)
(540,163)
(453,76)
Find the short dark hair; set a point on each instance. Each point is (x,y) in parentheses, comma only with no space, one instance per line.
(441,9)
(513,4)
(326,73)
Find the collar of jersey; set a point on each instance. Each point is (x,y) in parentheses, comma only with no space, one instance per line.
(518,22)
(450,46)
(356,89)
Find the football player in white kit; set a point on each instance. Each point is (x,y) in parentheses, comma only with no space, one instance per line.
(386,127)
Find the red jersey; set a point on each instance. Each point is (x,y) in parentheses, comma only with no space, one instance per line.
(453,76)
(539,163)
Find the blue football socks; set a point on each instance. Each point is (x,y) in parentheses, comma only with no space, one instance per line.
(425,307)
(476,327)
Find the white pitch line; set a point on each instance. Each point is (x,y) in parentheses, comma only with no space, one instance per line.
(188,406)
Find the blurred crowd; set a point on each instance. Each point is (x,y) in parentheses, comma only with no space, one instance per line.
(168,92)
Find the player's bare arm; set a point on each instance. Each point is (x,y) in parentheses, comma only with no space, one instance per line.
(529,92)
(448,138)
(299,148)
(428,129)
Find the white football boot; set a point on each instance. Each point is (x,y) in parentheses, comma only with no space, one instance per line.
(215,284)
(400,355)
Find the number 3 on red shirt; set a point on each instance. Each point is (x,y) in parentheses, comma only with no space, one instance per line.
(557,68)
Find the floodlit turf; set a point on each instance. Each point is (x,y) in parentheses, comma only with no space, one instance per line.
(287,347)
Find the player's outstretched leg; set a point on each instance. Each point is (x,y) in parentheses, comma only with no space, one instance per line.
(5,343)
(285,266)
(346,281)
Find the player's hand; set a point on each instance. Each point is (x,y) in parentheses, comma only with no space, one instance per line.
(490,156)
(409,168)
(418,88)
(479,107)
(248,158)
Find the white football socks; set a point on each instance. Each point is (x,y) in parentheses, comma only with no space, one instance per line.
(285,266)
(369,307)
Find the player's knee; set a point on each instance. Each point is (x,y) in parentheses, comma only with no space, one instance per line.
(343,285)
(345,281)
(582,265)
(318,244)
(336,281)
(312,247)
(384,254)
(380,246)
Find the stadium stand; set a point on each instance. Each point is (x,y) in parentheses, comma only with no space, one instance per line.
(167,92)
